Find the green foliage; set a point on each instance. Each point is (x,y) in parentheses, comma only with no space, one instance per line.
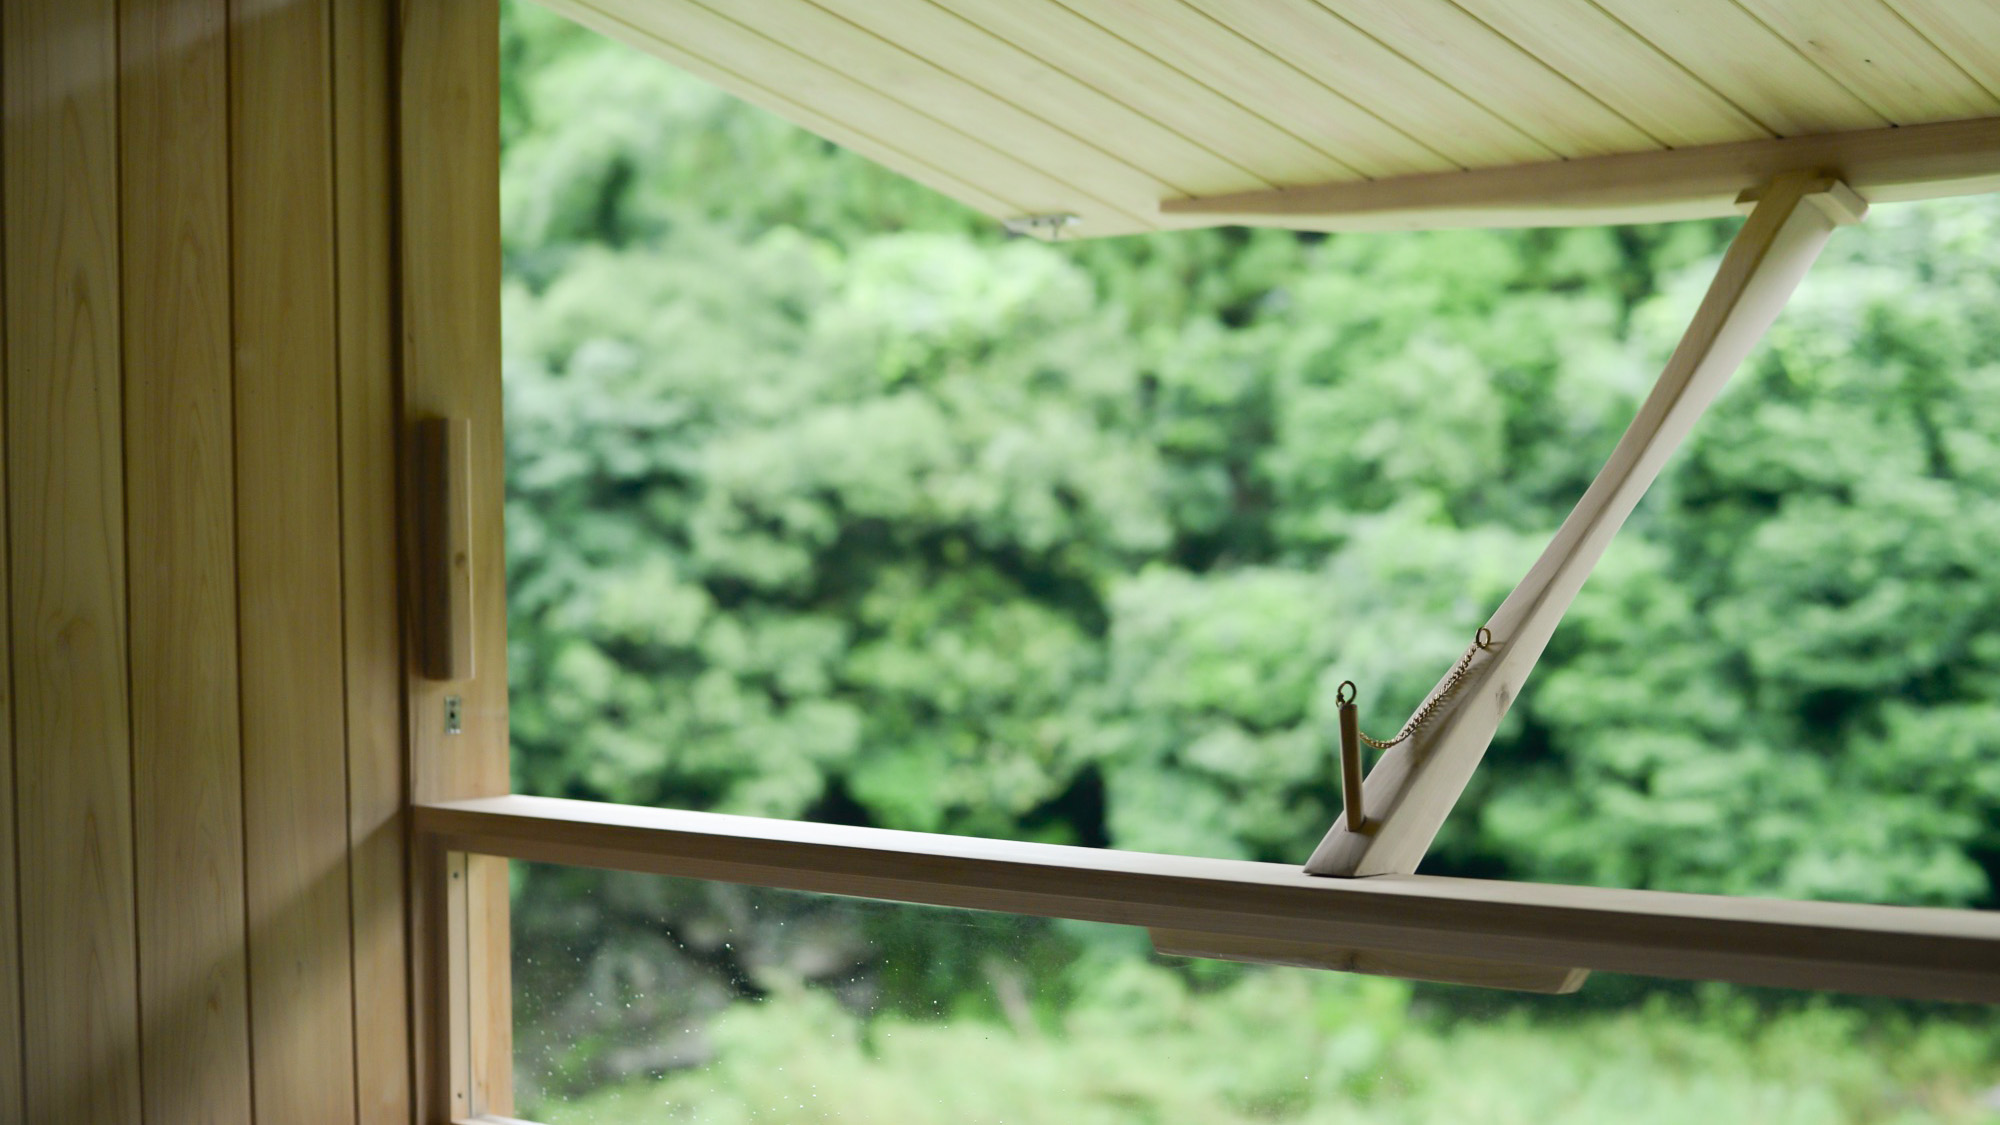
(1138,1045)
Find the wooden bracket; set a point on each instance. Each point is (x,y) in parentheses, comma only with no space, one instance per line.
(444,594)
(1414,786)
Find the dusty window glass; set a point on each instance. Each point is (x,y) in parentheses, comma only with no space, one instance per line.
(649,999)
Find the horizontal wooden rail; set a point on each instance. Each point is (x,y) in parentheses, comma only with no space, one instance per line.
(1883,165)
(1896,951)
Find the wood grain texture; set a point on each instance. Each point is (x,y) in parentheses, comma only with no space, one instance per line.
(913,165)
(1441,38)
(288,563)
(72,736)
(984,59)
(12,1104)
(1341,57)
(180,513)
(448,73)
(1884,165)
(1875,53)
(1435,967)
(1073,45)
(1968,33)
(364,128)
(1183,39)
(1414,785)
(736,57)
(1943,954)
(1743,60)
(443,464)
(946,101)
(1622,70)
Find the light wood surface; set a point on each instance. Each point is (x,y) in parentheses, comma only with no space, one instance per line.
(180,510)
(1080,106)
(1414,785)
(288,563)
(1941,954)
(448,72)
(1075,46)
(370,414)
(65,479)
(12,1107)
(1184,39)
(1883,165)
(1434,967)
(1366,72)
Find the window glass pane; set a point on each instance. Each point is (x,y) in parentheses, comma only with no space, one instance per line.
(646,999)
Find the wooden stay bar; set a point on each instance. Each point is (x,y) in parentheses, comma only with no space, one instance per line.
(1887,950)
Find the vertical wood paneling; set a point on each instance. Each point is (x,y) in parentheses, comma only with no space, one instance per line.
(364,190)
(11,1094)
(79,988)
(288,561)
(180,512)
(448,68)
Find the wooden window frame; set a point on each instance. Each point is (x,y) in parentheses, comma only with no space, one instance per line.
(468,825)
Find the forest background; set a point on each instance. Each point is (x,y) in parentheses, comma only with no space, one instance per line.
(827,500)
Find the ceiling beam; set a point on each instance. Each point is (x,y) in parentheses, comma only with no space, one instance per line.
(1883,165)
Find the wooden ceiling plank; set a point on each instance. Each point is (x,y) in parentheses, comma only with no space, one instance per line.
(1073,45)
(817,98)
(1877,54)
(1488,68)
(1968,33)
(1723,45)
(985,60)
(1349,61)
(1622,70)
(1887,165)
(908,75)
(1178,36)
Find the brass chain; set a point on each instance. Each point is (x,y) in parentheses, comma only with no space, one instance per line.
(1482,641)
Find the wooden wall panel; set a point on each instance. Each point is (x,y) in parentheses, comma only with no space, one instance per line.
(448,67)
(11,1107)
(288,563)
(364,194)
(66,534)
(180,521)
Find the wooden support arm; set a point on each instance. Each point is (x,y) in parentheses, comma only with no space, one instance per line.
(1414,786)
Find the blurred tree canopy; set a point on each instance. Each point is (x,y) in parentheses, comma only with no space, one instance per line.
(827,500)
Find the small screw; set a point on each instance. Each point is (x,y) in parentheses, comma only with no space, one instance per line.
(454,715)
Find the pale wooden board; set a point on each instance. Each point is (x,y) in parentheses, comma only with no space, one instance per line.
(1620,69)
(1743,60)
(1069,154)
(72,733)
(449,186)
(1069,43)
(1342,58)
(12,1107)
(1874,52)
(908,164)
(288,564)
(1968,32)
(1940,954)
(727,49)
(991,63)
(1440,37)
(1884,165)
(377,789)
(1186,40)
(180,512)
